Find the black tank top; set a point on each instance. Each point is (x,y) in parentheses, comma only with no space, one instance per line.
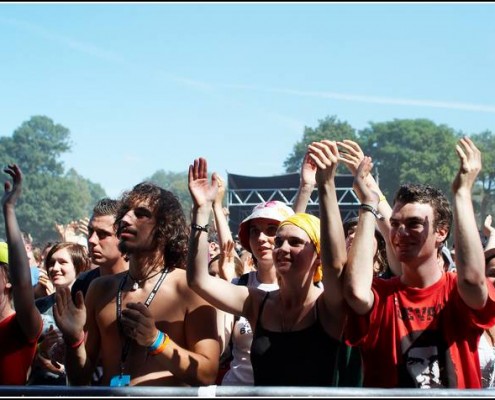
(300,358)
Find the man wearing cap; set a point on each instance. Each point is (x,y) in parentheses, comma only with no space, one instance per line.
(20,322)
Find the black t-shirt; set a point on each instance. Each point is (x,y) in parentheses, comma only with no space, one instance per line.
(83,281)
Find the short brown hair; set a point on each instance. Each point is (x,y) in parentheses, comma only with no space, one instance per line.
(426,194)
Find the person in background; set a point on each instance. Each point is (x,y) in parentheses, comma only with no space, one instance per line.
(44,287)
(20,320)
(486,345)
(103,246)
(64,262)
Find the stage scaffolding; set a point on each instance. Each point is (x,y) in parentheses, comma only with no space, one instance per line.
(245,192)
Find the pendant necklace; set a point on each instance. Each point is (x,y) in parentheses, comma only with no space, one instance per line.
(139,282)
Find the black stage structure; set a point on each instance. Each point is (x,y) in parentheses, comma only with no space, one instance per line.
(245,192)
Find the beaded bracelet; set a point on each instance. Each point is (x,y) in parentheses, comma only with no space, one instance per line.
(157,342)
(162,346)
(199,227)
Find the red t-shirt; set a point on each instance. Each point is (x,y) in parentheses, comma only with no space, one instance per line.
(420,337)
(16,352)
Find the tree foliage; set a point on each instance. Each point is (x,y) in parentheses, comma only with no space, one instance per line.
(328,128)
(485,141)
(50,195)
(176,182)
(411,151)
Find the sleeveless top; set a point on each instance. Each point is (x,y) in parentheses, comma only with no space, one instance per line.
(241,371)
(16,352)
(299,358)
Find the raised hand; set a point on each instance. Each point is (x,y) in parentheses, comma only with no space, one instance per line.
(221,191)
(69,317)
(12,190)
(45,282)
(82,226)
(202,191)
(325,155)
(488,229)
(308,171)
(470,165)
(350,154)
(369,196)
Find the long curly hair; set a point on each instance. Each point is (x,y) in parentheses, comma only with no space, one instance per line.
(170,233)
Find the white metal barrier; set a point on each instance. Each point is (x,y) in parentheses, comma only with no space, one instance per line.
(233,391)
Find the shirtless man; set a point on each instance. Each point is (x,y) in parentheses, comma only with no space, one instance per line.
(165,339)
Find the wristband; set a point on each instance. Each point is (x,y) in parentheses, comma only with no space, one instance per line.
(79,342)
(157,342)
(367,207)
(197,227)
(382,198)
(162,346)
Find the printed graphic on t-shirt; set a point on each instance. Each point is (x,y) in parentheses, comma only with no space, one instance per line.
(426,361)
(419,314)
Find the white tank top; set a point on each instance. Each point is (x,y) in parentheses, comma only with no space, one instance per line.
(241,371)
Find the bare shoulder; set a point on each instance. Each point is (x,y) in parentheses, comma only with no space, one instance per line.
(179,281)
(104,286)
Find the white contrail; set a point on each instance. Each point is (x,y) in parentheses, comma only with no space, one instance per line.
(110,56)
(374,99)
(71,43)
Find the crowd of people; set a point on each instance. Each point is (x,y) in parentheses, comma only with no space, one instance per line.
(135,295)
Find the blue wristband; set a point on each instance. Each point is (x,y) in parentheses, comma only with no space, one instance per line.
(158,341)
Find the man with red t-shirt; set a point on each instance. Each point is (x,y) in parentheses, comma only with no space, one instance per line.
(421,329)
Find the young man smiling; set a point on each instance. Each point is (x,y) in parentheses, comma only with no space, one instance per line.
(389,317)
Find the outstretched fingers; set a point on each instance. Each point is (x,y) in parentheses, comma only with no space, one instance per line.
(324,153)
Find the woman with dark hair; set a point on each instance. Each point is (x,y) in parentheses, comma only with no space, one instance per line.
(64,262)
(380,264)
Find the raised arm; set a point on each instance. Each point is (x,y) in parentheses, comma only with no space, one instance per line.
(220,293)
(307,184)
(225,239)
(325,155)
(351,155)
(470,260)
(489,232)
(20,274)
(359,271)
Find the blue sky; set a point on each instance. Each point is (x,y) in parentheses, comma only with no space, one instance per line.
(149,86)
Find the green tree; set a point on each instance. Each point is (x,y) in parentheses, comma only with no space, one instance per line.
(485,141)
(411,151)
(49,194)
(176,182)
(328,128)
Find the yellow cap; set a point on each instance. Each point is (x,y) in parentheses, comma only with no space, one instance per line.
(4,253)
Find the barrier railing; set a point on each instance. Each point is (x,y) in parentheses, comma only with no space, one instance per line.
(233,391)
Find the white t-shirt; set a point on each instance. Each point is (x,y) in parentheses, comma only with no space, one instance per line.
(241,371)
